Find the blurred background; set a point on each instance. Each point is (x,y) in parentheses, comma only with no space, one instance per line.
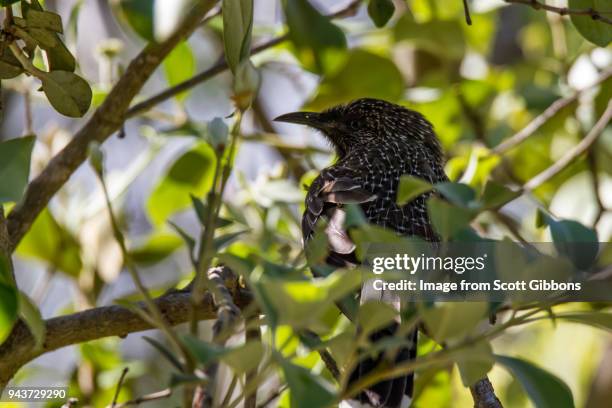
(477,84)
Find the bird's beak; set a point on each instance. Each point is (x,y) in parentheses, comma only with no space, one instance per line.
(312,119)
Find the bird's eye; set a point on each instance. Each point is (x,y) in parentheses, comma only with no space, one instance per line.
(354,124)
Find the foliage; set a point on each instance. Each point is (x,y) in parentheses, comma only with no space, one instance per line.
(200,211)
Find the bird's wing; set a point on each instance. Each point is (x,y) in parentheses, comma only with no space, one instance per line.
(328,193)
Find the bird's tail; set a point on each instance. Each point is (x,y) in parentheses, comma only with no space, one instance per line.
(389,393)
(392,393)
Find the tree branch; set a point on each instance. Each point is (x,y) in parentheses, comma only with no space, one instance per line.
(545,116)
(227,316)
(483,394)
(105,321)
(596,15)
(104,122)
(571,155)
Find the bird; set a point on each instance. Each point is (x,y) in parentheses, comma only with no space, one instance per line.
(376,143)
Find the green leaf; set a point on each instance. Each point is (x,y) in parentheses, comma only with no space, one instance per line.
(446,218)
(6,276)
(200,209)
(179,66)
(5,3)
(354,216)
(573,239)
(164,351)
(375,315)
(318,247)
(453,320)
(204,352)
(60,58)
(50,242)
(542,219)
(45,38)
(27,6)
(188,239)
(10,67)
(30,314)
(191,174)
(15,167)
(600,320)
(307,390)
(457,193)
(411,187)
(139,16)
(544,389)
(381,11)
(444,39)
(44,19)
(177,379)
(67,92)
(241,359)
(58,55)
(237,27)
(222,241)
(302,303)
(348,82)
(316,39)
(597,32)
(158,246)
(474,362)
(9,305)
(244,358)
(496,195)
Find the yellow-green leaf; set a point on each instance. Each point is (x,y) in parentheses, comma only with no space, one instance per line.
(67,92)
(15,167)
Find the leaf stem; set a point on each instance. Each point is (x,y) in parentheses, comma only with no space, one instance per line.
(155,313)
(206,254)
(25,62)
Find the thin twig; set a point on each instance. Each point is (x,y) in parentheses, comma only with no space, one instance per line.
(119,386)
(596,15)
(163,394)
(273,396)
(230,391)
(466,9)
(510,224)
(326,357)
(545,116)
(601,208)
(577,151)
(221,65)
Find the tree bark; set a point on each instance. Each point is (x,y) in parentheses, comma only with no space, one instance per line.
(92,324)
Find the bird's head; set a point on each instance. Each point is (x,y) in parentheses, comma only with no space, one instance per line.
(367,122)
